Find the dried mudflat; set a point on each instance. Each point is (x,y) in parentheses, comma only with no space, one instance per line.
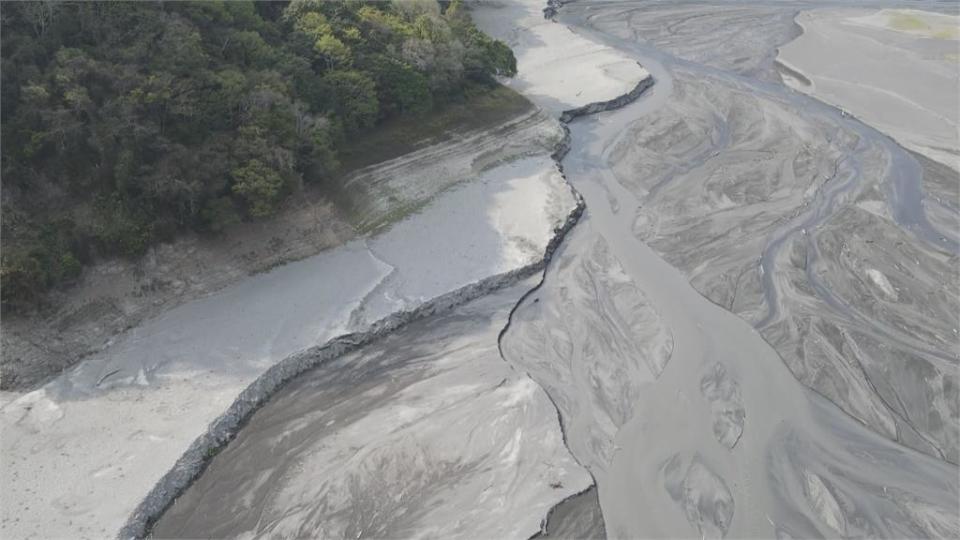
(808,224)
(747,335)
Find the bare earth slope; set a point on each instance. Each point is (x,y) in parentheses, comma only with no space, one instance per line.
(117,295)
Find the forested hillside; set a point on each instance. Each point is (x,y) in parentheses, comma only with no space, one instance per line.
(124,123)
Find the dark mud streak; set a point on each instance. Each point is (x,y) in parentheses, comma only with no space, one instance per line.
(545,523)
(550,11)
(610,105)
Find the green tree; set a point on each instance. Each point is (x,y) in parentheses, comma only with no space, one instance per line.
(259,185)
(354,98)
(400,87)
(334,52)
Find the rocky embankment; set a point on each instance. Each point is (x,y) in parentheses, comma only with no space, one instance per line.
(82,450)
(135,415)
(205,508)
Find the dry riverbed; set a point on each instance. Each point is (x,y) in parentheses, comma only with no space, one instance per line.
(751,332)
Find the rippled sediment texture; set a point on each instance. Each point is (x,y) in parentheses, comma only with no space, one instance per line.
(592,340)
(808,226)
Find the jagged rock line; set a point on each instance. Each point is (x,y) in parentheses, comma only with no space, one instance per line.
(220,432)
(195,460)
(563,148)
(192,463)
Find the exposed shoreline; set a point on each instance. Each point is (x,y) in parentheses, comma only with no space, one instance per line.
(159,394)
(192,463)
(129,413)
(115,296)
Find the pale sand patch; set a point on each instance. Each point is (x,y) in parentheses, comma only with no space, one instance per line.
(880,280)
(557,68)
(893,69)
(500,222)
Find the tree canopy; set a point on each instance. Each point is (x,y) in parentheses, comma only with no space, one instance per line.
(125,123)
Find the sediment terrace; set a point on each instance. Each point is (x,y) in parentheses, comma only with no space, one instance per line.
(426,482)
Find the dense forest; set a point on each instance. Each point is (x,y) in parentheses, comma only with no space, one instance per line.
(124,123)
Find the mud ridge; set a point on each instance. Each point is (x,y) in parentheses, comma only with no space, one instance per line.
(615,103)
(544,533)
(553,6)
